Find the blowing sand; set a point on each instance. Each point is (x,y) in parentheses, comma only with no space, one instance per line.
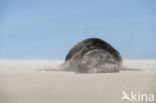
(21,82)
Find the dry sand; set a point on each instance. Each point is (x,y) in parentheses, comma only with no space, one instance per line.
(20,82)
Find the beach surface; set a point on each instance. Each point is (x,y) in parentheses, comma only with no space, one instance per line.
(24,82)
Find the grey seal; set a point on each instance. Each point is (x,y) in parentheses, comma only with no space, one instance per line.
(93,55)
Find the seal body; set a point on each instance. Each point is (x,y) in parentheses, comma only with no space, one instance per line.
(93,55)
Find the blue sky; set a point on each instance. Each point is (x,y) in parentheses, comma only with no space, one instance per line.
(47,29)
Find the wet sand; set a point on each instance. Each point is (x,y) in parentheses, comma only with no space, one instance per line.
(21,82)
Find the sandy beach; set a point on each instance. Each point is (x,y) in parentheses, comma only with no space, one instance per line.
(21,82)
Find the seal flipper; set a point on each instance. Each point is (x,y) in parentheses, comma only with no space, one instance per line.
(124,68)
(56,68)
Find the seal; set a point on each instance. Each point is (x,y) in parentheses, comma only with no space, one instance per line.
(93,55)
